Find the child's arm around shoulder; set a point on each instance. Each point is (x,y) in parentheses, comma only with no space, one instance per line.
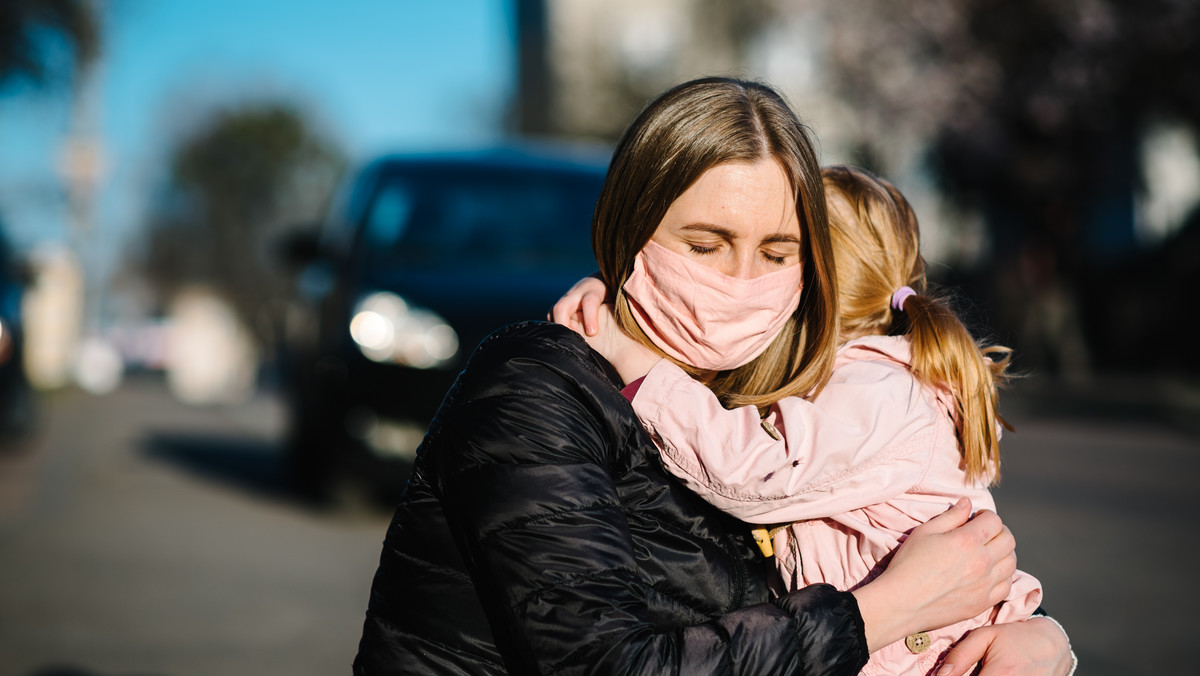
(582,310)
(849,448)
(784,467)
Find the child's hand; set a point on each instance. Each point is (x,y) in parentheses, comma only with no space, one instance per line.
(579,308)
(631,358)
(582,310)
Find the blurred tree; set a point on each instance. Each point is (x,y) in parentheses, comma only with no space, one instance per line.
(1033,111)
(233,187)
(24,26)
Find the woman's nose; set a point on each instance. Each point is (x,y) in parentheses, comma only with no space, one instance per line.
(741,267)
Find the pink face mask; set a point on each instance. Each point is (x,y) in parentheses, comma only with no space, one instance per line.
(703,317)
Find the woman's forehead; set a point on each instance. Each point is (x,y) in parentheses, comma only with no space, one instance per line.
(738,200)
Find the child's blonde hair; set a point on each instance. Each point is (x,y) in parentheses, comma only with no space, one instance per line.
(876,248)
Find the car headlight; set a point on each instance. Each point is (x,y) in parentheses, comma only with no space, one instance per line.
(388,329)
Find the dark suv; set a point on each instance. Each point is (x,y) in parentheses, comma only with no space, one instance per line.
(420,258)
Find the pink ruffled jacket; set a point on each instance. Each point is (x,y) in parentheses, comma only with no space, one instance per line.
(852,472)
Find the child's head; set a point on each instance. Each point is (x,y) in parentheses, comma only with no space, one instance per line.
(876,248)
(877,252)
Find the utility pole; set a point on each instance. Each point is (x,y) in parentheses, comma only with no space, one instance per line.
(533,115)
(82,168)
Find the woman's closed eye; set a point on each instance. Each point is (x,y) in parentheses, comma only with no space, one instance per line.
(704,249)
(778,259)
(780,255)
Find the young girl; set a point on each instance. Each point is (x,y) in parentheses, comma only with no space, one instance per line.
(905,426)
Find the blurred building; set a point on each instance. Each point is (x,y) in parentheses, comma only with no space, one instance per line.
(604,60)
(53,315)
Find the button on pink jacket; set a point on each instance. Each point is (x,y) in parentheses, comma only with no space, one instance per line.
(871,457)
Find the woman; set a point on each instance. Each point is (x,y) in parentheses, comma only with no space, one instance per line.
(540,533)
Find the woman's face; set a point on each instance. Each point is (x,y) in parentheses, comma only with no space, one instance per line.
(738,218)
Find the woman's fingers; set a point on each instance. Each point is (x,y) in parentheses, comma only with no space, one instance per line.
(952,518)
(1033,647)
(973,561)
(1001,538)
(999,545)
(986,525)
(966,653)
(999,558)
(1001,551)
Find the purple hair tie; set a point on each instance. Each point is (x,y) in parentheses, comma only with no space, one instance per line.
(900,296)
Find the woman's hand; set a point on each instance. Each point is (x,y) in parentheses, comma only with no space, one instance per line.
(950,569)
(1036,646)
(579,308)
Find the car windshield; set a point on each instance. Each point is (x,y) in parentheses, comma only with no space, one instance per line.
(497,219)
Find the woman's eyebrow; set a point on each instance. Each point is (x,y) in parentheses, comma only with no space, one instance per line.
(726,233)
(781,237)
(710,228)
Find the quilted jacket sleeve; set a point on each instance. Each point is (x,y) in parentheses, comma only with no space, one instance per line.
(527,483)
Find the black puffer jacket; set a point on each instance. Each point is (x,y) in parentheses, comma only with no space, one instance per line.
(540,534)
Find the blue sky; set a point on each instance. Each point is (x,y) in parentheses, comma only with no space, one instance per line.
(376,74)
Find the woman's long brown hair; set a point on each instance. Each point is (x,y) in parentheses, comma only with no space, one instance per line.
(676,138)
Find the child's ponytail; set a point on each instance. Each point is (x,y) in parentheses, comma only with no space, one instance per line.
(882,290)
(946,355)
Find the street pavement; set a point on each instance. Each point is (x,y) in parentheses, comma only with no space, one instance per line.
(139,536)
(143,537)
(1100,489)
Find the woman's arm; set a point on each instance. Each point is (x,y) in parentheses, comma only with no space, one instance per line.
(951,568)
(526,482)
